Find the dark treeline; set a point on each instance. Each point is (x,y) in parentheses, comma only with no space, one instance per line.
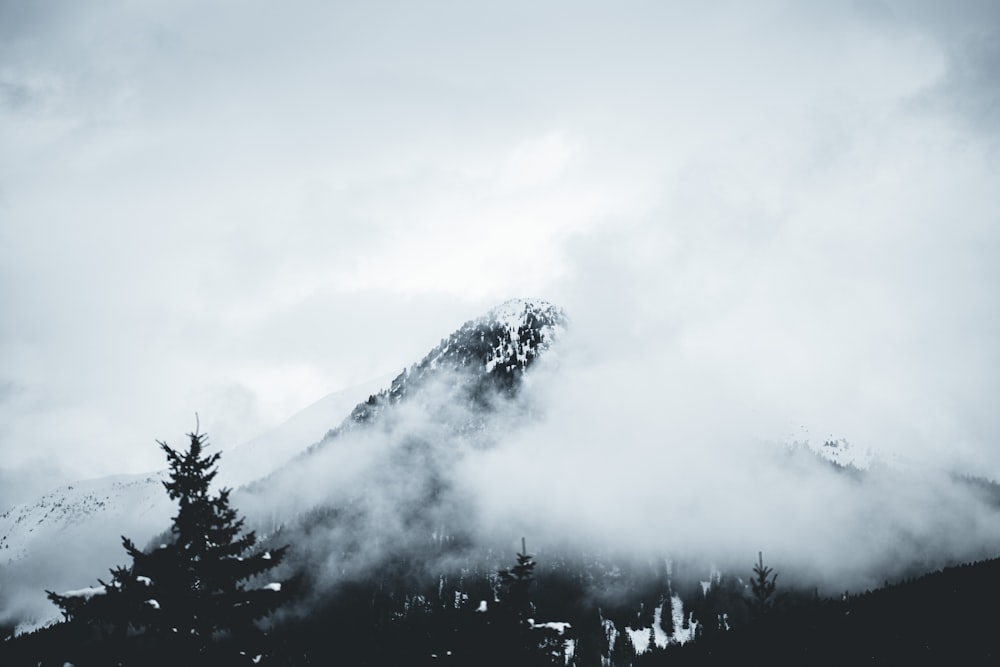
(947,617)
(941,618)
(470,616)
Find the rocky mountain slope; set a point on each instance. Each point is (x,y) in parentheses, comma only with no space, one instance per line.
(486,356)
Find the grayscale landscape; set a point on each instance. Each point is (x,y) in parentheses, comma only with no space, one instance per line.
(523,334)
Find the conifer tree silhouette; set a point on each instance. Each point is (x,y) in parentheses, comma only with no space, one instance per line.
(762,587)
(182,597)
(521,641)
(516,583)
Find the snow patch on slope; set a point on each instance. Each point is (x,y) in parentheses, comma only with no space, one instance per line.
(684,627)
(510,319)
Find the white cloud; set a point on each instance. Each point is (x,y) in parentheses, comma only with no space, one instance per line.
(229,209)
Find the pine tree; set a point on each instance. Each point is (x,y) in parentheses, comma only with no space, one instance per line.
(516,583)
(520,641)
(190,593)
(763,596)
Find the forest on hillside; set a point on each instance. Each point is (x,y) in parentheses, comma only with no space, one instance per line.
(212,593)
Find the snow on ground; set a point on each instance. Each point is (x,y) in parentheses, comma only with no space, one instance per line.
(569,650)
(681,635)
(85,593)
(558,626)
(714,577)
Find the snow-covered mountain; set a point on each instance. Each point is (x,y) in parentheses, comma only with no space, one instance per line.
(487,356)
(491,352)
(134,501)
(390,465)
(382,493)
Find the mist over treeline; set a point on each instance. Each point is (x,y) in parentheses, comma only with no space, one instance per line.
(628,453)
(645,483)
(587,459)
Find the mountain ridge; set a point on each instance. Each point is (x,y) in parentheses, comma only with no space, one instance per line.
(511,336)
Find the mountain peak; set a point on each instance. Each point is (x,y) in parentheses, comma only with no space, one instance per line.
(493,350)
(514,313)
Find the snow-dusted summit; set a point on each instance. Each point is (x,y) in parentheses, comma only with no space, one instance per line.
(489,352)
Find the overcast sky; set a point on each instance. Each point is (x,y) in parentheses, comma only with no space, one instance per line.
(235,208)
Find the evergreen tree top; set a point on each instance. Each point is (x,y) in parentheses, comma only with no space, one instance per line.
(523,571)
(763,587)
(190,472)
